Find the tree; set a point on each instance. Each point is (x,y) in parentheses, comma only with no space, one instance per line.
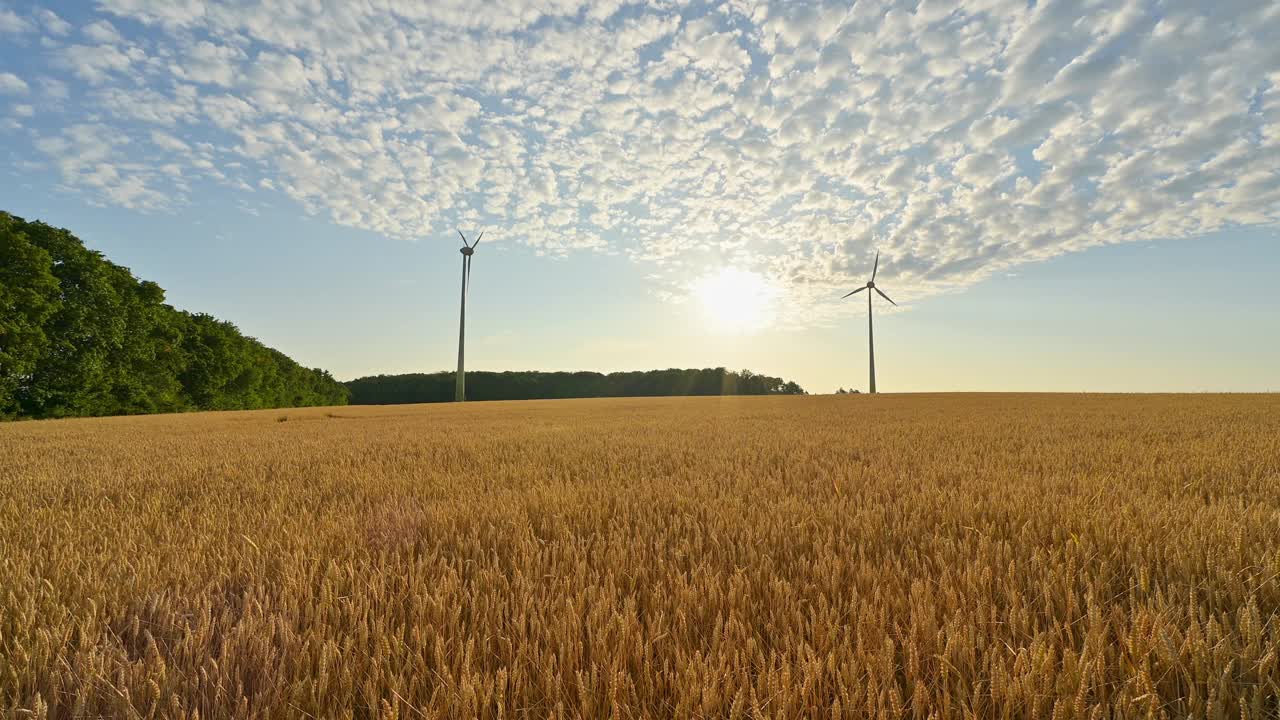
(438,387)
(28,296)
(73,375)
(80,335)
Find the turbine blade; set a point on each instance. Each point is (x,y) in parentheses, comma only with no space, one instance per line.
(855,292)
(477,242)
(464,238)
(886,297)
(875,269)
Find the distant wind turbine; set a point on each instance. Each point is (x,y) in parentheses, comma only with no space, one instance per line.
(467,250)
(871,340)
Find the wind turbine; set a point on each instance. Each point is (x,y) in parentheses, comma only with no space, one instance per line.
(467,250)
(871,340)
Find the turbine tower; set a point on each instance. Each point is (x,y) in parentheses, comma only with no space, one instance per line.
(871,340)
(467,250)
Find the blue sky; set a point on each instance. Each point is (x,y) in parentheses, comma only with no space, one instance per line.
(1064,197)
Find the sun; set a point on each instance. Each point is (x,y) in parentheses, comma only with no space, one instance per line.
(735,300)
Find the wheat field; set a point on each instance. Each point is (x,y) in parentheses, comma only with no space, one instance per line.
(928,556)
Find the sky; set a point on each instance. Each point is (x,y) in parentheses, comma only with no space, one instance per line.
(1063,195)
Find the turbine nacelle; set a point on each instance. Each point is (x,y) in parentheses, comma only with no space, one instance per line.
(871,285)
(468,247)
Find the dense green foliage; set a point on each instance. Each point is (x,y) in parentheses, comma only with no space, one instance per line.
(80,335)
(532,385)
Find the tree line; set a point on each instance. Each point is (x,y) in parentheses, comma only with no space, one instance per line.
(80,335)
(534,385)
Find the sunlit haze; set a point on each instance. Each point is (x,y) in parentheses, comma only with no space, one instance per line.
(736,301)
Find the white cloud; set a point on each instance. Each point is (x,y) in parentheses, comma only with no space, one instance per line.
(168,142)
(789,139)
(101,31)
(54,88)
(53,24)
(95,63)
(94,157)
(11,22)
(209,64)
(11,84)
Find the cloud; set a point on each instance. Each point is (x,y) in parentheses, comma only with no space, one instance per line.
(53,24)
(117,170)
(790,139)
(11,84)
(209,64)
(168,142)
(96,63)
(101,31)
(54,88)
(11,22)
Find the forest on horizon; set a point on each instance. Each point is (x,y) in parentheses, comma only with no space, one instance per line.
(536,385)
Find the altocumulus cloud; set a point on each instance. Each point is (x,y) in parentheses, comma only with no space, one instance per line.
(789,138)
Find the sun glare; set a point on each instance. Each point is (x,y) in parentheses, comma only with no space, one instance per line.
(736,301)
